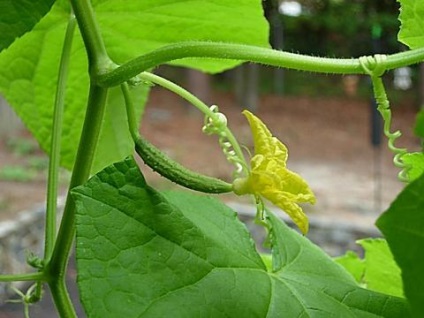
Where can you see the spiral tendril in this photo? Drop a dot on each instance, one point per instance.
(217, 125)
(374, 67)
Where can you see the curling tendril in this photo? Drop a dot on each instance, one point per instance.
(374, 67)
(217, 125)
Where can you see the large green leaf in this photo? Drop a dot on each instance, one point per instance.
(145, 254)
(28, 74)
(403, 226)
(412, 23)
(134, 27)
(18, 17)
(28, 68)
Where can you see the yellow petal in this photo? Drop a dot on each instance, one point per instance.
(265, 144)
(268, 173)
(270, 178)
(285, 190)
(288, 206)
(296, 187)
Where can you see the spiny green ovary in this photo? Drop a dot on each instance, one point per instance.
(175, 172)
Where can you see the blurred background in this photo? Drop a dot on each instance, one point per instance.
(329, 123)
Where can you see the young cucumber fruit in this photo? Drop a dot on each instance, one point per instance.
(175, 172)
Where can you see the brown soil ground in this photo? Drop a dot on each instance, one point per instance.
(328, 140)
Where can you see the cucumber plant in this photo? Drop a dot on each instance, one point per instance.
(145, 253)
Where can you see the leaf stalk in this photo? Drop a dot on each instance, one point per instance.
(52, 184)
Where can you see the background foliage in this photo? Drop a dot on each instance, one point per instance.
(343, 28)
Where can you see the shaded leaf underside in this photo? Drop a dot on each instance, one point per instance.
(18, 17)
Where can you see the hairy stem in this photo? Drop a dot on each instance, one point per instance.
(98, 58)
(130, 109)
(248, 53)
(56, 268)
(52, 184)
(27, 277)
(62, 300)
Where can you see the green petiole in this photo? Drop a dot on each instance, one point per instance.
(254, 54)
(55, 268)
(27, 277)
(52, 184)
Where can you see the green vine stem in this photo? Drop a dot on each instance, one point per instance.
(27, 277)
(255, 54)
(56, 268)
(98, 59)
(52, 184)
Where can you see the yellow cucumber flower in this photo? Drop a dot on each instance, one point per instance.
(269, 178)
